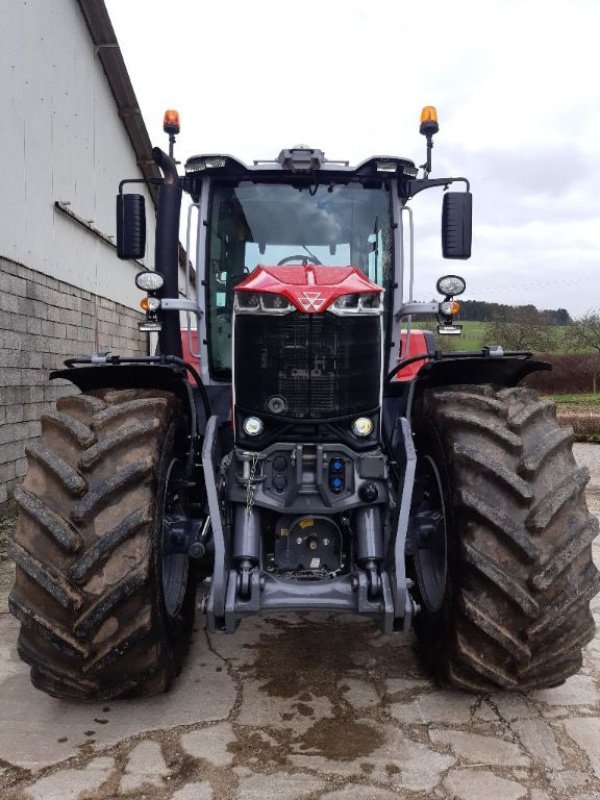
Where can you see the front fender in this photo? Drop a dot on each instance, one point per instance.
(505, 371)
(499, 370)
(134, 376)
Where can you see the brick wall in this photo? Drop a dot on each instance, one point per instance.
(42, 322)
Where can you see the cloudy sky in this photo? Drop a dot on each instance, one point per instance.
(516, 84)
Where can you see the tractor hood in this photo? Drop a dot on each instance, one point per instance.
(310, 288)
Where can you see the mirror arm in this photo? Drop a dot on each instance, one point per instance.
(409, 189)
(147, 181)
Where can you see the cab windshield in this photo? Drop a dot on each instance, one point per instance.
(264, 223)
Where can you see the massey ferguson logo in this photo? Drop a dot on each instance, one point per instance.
(311, 301)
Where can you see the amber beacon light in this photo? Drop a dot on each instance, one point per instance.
(171, 121)
(429, 121)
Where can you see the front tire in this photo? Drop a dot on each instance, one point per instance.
(520, 573)
(89, 589)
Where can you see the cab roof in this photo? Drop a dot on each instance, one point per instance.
(301, 160)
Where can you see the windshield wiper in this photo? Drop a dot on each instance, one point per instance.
(312, 255)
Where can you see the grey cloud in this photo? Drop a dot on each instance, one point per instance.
(519, 186)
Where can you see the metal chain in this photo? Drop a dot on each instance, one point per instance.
(250, 484)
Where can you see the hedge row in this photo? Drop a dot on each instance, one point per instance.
(585, 422)
(572, 373)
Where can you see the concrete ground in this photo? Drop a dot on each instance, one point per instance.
(305, 708)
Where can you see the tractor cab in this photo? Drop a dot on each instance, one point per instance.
(296, 211)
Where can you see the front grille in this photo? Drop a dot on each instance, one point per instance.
(321, 366)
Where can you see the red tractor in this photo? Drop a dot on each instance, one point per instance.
(308, 453)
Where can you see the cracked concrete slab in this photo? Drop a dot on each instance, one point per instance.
(275, 787)
(398, 762)
(469, 784)
(357, 792)
(474, 748)
(203, 692)
(145, 766)
(303, 706)
(437, 706)
(511, 707)
(585, 731)
(298, 713)
(580, 690)
(213, 744)
(360, 694)
(194, 791)
(538, 739)
(70, 784)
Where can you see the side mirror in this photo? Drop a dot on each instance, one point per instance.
(457, 224)
(131, 226)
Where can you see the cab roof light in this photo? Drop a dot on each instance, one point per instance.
(393, 165)
(201, 163)
(387, 165)
(410, 170)
(171, 121)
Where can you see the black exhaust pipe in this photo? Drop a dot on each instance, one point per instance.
(167, 250)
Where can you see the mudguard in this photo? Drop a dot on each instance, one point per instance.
(149, 375)
(499, 370)
(127, 376)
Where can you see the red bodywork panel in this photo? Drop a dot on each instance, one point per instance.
(187, 355)
(412, 345)
(312, 288)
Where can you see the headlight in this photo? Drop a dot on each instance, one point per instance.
(370, 300)
(451, 285)
(261, 303)
(247, 300)
(346, 301)
(362, 426)
(363, 303)
(253, 426)
(275, 302)
(149, 281)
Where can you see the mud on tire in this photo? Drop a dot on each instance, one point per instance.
(516, 613)
(88, 589)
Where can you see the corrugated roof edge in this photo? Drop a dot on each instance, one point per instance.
(109, 52)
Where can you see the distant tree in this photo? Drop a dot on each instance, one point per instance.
(585, 336)
(482, 311)
(521, 328)
(562, 317)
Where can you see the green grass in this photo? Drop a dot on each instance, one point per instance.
(474, 337)
(582, 413)
(577, 399)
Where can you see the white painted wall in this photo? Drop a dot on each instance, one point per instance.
(61, 139)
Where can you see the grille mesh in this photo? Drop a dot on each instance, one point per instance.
(322, 365)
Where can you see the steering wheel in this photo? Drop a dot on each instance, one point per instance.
(303, 258)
